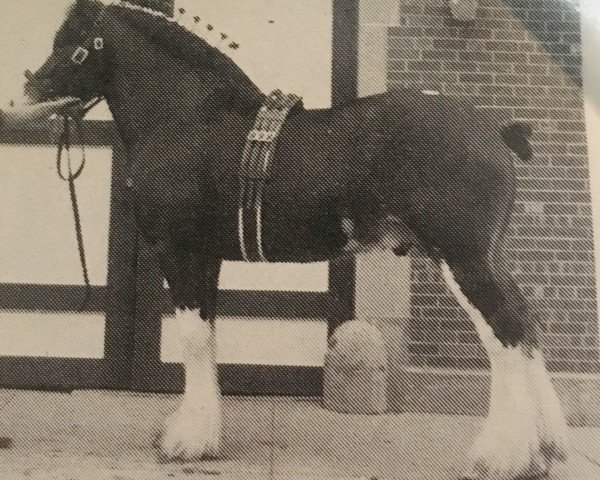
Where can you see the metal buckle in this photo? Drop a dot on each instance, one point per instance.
(80, 55)
(98, 43)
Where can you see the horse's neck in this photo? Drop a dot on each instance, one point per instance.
(148, 91)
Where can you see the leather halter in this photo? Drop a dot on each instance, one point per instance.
(82, 52)
(255, 172)
(64, 143)
(80, 55)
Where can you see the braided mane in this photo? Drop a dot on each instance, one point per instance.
(189, 48)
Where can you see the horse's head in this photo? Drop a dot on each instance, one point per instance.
(130, 51)
(77, 65)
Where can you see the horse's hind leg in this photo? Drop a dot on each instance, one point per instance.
(193, 431)
(525, 429)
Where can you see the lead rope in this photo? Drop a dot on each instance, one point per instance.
(64, 143)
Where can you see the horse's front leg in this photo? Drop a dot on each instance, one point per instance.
(193, 431)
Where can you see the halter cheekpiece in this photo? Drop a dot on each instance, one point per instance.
(81, 53)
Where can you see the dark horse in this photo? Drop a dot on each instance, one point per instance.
(398, 169)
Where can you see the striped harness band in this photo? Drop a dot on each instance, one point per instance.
(254, 171)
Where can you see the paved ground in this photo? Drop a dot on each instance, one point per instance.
(95, 435)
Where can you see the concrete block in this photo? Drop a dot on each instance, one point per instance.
(355, 374)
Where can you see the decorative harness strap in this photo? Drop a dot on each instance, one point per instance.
(254, 171)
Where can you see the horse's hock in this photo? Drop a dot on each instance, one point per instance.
(355, 375)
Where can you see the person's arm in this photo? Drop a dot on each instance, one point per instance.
(26, 116)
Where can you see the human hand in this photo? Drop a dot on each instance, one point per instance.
(27, 116)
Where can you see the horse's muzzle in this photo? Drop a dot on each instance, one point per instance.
(36, 89)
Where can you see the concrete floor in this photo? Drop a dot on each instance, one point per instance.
(93, 435)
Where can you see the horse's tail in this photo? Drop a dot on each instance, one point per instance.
(516, 136)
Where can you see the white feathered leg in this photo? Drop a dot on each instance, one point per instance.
(193, 431)
(551, 422)
(510, 445)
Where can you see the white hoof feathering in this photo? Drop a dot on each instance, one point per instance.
(193, 431)
(552, 424)
(509, 446)
(525, 429)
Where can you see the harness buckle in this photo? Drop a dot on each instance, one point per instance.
(80, 55)
(98, 43)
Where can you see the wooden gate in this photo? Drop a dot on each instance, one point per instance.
(46, 343)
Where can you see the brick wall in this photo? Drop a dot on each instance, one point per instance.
(521, 58)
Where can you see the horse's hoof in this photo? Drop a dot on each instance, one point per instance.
(189, 438)
(186, 458)
(178, 458)
(185, 452)
(180, 453)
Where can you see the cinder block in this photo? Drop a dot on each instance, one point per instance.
(355, 374)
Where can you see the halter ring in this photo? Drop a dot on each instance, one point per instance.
(80, 55)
